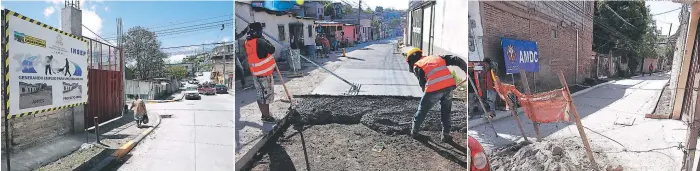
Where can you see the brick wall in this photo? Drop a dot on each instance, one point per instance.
(556, 43)
(29, 131)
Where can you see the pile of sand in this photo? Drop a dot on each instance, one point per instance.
(548, 155)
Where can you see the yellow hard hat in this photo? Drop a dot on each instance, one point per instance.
(413, 50)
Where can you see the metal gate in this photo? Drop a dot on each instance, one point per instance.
(105, 85)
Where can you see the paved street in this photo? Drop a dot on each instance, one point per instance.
(198, 136)
(600, 108)
(378, 69)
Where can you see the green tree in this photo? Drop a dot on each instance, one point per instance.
(626, 29)
(177, 72)
(143, 54)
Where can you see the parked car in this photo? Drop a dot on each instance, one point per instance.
(221, 89)
(207, 89)
(191, 93)
(477, 160)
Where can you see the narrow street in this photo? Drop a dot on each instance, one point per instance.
(623, 101)
(198, 136)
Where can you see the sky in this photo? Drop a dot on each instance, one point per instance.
(396, 4)
(663, 21)
(100, 17)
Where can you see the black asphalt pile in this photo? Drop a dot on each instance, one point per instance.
(548, 155)
(349, 147)
(388, 115)
(343, 133)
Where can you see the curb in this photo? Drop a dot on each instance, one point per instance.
(165, 101)
(111, 160)
(248, 157)
(505, 114)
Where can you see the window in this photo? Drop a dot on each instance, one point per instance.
(311, 30)
(280, 29)
(339, 28)
(554, 33)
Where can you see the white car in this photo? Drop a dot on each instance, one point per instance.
(191, 93)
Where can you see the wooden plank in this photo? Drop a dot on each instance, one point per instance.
(579, 125)
(523, 78)
(513, 111)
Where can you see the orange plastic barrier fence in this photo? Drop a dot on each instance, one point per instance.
(546, 107)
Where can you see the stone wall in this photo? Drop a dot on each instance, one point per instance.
(29, 131)
(554, 30)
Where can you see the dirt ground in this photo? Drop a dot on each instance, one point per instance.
(340, 132)
(75, 159)
(663, 107)
(549, 155)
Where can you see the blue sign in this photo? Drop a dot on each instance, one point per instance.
(520, 54)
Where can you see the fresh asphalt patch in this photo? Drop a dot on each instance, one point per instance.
(340, 132)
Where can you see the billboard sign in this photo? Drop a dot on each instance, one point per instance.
(520, 54)
(46, 67)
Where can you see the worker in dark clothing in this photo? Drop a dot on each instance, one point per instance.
(436, 81)
(262, 64)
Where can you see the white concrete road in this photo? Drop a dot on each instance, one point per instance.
(378, 69)
(198, 136)
(599, 109)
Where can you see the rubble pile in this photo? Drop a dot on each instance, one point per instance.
(548, 155)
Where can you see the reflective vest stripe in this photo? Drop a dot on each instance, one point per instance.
(438, 79)
(268, 69)
(261, 63)
(438, 76)
(258, 66)
(435, 70)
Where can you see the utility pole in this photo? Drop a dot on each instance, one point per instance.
(359, 16)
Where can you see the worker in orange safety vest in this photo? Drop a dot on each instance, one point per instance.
(436, 81)
(262, 65)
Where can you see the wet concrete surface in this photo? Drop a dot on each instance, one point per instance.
(389, 115)
(339, 132)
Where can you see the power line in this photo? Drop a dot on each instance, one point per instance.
(197, 45)
(178, 23)
(98, 35)
(210, 24)
(618, 15)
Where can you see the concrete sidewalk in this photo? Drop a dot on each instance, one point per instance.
(648, 144)
(62, 153)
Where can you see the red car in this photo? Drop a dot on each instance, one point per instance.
(477, 160)
(207, 90)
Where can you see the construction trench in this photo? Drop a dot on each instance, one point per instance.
(341, 132)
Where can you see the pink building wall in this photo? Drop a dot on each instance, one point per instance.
(349, 32)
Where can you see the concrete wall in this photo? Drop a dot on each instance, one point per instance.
(647, 62)
(349, 32)
(33, 130)
(148, 89)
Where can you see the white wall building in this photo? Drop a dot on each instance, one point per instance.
(282, 27)
(438, 28)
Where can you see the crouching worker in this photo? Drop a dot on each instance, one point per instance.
(436, 81)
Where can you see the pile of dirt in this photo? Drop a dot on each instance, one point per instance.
(548, 155)
(388, 115)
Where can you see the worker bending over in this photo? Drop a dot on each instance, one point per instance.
(436, 81)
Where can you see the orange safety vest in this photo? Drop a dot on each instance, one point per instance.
(259, 67)
(436, 73)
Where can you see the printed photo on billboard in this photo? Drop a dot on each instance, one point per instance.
(34, 95)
